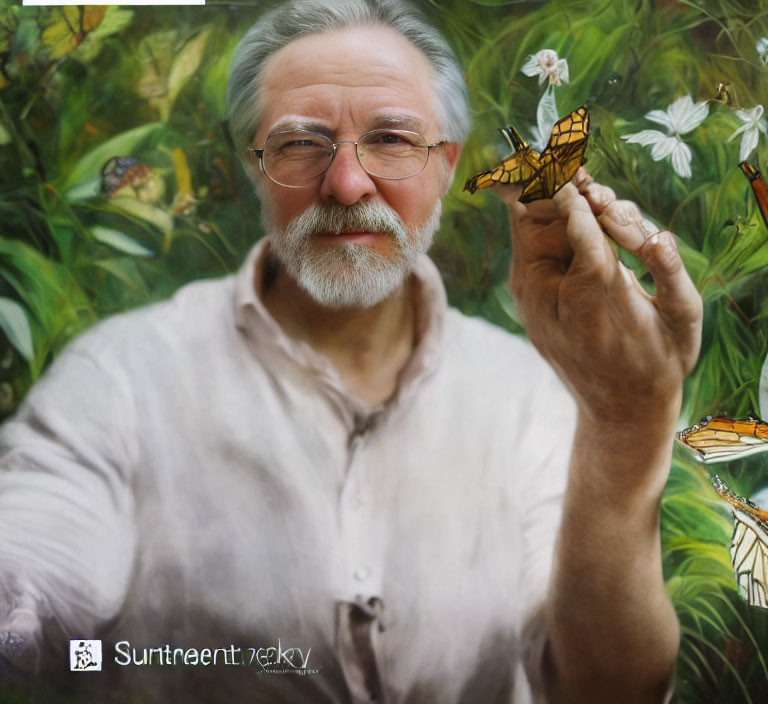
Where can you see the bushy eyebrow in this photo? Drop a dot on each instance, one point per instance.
(290, 125)
(398, 122)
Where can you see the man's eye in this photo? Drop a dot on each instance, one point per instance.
(302, 143)
(390, 138)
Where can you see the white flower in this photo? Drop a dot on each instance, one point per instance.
(546, 117)
(545, 64)
(750, 130)
(679, 118)
(762, 49)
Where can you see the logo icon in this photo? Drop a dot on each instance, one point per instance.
(85, 655)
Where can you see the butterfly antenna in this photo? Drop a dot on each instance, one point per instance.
(515, 141)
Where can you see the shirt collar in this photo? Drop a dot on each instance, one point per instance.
(264, 333)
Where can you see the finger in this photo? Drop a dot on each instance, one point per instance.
(624, 222)
(592, 253)
(509, 193)
(676, 296)
(549, 241)
(535, 286)
(581, 179)
(536, 231)
(597, 195)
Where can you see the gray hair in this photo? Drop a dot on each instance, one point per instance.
(298, 18)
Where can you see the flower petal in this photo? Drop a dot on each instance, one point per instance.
(664, 148)
(751, 115)
(681, 159)
(693, 118)
(562, 71)
(678, 109)
(546, 114)
(748, 142)
(739, 131)
(531, 66)
(645, 137)
(662, 118)
(538, 140)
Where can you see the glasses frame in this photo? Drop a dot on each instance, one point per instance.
(260, 154)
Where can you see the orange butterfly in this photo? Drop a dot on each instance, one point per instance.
(721, 439)
(542, 174)
(759, 186)
(749, 545)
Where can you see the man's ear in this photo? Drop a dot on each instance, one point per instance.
(450, 152)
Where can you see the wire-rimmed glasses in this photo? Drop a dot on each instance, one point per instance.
(293, 158)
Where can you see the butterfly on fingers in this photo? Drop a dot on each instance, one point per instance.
(541, 174)
(759, 188)
(749, 545)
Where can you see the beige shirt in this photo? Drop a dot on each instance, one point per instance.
(187, 475)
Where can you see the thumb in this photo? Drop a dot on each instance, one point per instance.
(509, 193)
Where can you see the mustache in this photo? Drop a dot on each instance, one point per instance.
(339, 219)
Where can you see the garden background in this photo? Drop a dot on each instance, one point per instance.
(79, 86)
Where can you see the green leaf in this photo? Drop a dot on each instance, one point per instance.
(144, 211)
(125, 271)
(120, 241)
(14, 323)
(186, 64)
(115, 20)
(89, 167)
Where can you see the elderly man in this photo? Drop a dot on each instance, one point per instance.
(316, 467)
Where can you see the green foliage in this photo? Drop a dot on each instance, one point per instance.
(81, 86)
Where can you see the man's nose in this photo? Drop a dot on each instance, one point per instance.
(346, 181)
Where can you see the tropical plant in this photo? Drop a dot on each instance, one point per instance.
(140, 92)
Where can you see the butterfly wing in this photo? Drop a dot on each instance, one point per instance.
(749, 556)
(749, 545)
(562, 156)
(723, 439)
(542, 175)
(759, 188)
(522, 166)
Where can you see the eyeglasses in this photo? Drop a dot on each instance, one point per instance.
(294, 158)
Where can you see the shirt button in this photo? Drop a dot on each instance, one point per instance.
(362, 573)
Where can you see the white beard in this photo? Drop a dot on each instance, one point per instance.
(349, 275)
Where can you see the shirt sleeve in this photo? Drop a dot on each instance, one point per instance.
(542, 497)
(67, 535)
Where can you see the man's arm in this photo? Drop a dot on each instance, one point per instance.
(66, 507)
(612, 632)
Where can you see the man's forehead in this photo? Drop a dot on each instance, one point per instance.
(370, 76)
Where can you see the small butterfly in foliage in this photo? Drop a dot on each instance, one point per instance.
(541, 174)
(759, 188)
(721, 439)
(127, 176)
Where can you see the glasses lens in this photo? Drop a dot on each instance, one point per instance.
(393, 153)
(293, 158)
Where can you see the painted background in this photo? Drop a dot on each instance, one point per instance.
(80, 86)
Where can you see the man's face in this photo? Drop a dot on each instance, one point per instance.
(345, 84)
